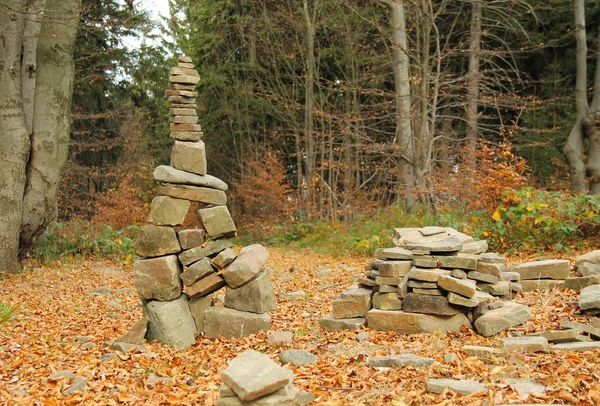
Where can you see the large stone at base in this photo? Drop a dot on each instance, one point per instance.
(549, 269)
(414, 323)
(247, 264)
(286, 396)
(497, 320)
(197, 308)
(253, 374)
(256, 296)
(156, 241)
(171, 323)
(231, 323)
(157, 278)
(330, 323)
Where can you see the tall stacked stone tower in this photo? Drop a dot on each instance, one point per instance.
(179, 268)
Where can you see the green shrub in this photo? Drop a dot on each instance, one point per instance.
(541, 220)
(81, 239)
(7, 312)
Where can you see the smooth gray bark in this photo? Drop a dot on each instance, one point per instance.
(31, 161)
(14, 145)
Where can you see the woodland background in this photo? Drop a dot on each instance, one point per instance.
(298, 106)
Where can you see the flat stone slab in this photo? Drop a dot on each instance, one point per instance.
(231, 323)
(525, 344)
(411, 234)
(524, 386)
(394, 268)
(459, 300)
(387, 301)
(588, 269)
(459, 286)
(211, 247)
(580, 282)
(463, 387)
(590, 346)
(448, 244)
(541, 284)
(289, 395)
(497, 320)
(168, 174)
(400, 361)
(197, 271)
(467, 262)
(589, 298)
(205, 286)
(562, 336)
(480, 351)
(297, 357)
(549, 269)
(594, 332)
(253, 374)
(475, 247)
(414, 323)
(193, 193)
(330, 323)
(426, 275)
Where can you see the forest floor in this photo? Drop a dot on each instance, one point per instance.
(53, 308)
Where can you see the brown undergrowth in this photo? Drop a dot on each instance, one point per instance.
(52, 308)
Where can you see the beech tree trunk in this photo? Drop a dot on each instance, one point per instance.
(587, 124)
(473, 79)
(35, 116)
(402, 98)
(310, 96)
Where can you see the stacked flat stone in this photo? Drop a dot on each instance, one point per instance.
(252, 378)
(435, 279)
(179, 268)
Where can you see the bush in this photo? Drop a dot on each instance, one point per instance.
(530, 219)
(81, 239)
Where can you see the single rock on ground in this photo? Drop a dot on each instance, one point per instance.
(297, 357)
(497, 320)
(399, 361)
(463, 387)
(525, 344)
(252, 375)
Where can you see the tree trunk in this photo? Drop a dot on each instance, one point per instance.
(14, 147)
(473, 78)
(51, 116)
(400, 67)
(31, 35)
(31, 160)
(573, 149)
(310, 97)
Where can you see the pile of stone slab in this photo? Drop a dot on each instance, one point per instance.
(178, 269)
(435, 279)
(252, 378)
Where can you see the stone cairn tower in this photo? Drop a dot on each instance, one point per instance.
(179, 269)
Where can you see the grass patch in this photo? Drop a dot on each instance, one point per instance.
(7, 312)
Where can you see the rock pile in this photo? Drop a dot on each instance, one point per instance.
(435, 279)
(179, 268)
(253, 378)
